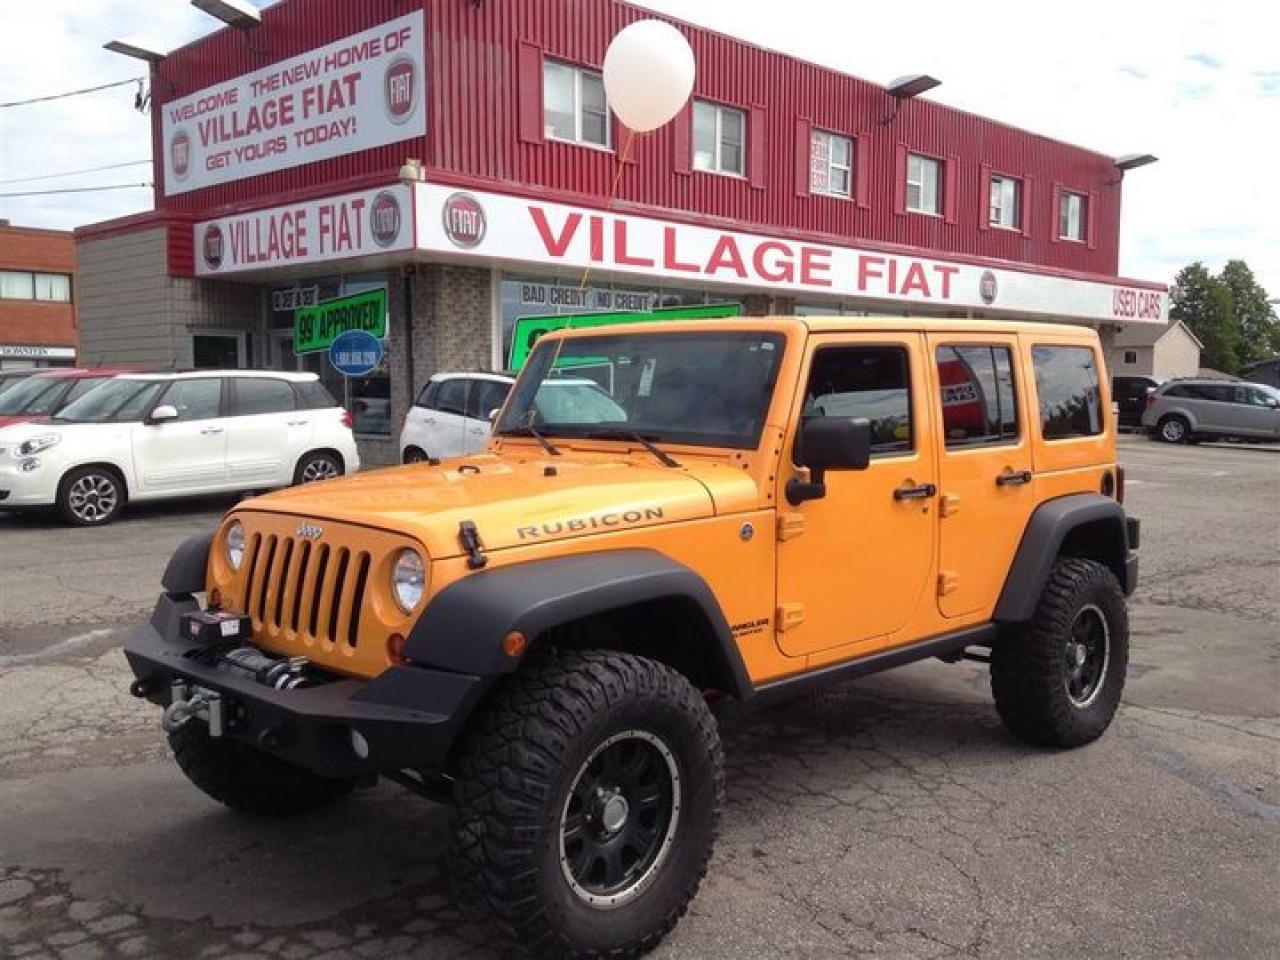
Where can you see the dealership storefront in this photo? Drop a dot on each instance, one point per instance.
(295, 197)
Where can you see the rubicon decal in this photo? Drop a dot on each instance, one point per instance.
(598, 521)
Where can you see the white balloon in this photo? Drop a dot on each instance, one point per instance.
(648, 74)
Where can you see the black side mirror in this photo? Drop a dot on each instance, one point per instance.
(828, 443)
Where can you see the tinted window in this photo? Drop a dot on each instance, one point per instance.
(194, 399)
(485, 395)
(262, 395)
(428, 395)
(1177, 391)
(978, 404)
(315, 395)
(83, 386)
(452, 396)
(1067, 385)
(35, 395)
(869, 382)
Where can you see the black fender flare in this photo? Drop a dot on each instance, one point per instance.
(188, 565)
(1046, 532)
(463, 627)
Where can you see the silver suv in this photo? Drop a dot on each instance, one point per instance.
(1184, 411)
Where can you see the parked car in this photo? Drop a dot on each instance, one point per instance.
(156, 436)
(451, 417)
(45, 393)
(1184, 411)
(1129, 394)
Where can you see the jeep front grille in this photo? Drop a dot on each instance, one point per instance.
(298, 590)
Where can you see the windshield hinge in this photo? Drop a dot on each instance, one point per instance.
(469, 539)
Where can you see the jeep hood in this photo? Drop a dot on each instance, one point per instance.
(518, 502)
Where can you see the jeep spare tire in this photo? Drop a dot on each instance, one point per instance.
(588, 796)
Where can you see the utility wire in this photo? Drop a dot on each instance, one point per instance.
(44, 193)
(75, 173)
(71, 93)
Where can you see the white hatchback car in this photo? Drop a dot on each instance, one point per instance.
(156, 436)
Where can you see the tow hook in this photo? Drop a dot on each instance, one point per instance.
(190, 702)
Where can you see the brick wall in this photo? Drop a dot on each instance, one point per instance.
(39, 322)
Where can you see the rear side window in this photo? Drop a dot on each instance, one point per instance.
(978, 406)
(1067, 385)
(452, 396)
(315, 395)
(866, 382)
(261, 395)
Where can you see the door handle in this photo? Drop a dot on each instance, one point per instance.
(922, 492)
(210, 431)
(1013, 478)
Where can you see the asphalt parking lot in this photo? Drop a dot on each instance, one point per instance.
(892, 817)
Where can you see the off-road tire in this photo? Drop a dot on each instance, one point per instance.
(1029, 668)
(315, 467)
(248, 780)
(1173, 429)
(518, 766)
(75, 512)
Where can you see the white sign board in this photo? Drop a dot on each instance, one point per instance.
(363, 91)
(508, 228)
(27, 351)
(310, 231)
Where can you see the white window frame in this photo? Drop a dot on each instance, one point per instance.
(31, 285)
(1064, 213)
(937, 185)
(996, 208)
(578, 125)
(57, 276)
(820, 172)
(718, 160)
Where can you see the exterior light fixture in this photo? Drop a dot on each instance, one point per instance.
(912, 85)
(411, 171)
(234, 13)
(1131, 161)
(135, 49)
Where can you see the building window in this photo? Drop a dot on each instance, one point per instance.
(923, 175)
(719, 138)
(1006, 203)
(1067, 385)
(1131, 356)
(831, 164)
(216, 351)
(576, 109)
(24, 285)
(1071, 216)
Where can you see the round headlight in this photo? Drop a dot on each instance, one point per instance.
(408, 580)
(235, 544)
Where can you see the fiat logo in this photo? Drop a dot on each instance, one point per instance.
(211, 246)
(987, 287)
(384, 218)
(180, 154)
(464, 221)
(400, 89)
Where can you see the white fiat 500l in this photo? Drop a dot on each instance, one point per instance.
(156, 436)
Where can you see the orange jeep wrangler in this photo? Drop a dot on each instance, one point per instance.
(669, 521)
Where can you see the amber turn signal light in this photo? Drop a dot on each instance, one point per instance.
(514, 643)
(395, 648)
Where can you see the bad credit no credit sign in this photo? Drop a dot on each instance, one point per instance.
(315, 328)
(366, 90)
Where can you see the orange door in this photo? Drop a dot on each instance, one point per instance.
(854, 565)
(986, 490)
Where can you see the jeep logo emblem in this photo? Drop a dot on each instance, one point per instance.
(310, 532)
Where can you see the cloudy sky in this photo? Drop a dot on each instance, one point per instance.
(1197, 84)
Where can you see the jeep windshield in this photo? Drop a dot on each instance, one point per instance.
(701, 388)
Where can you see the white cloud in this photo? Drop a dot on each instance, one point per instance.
(1197, 85)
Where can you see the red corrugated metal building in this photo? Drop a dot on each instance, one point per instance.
(459, 155)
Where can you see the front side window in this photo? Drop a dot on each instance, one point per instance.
(194, 399)
(873, 383)
(700, 388)
(719, 138)
(831, 164)
(485, 396)
(1067, 386)
(256, 395)
(976, 385)
(1071, 216)
(1005, 203)
(575, 107)
(53, 286)
(923, 193)
(451, 397)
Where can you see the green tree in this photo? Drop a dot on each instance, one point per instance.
(1203, 303)
(1257, 322)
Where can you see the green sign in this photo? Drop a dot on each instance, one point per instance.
(529, 330)
(314, 328)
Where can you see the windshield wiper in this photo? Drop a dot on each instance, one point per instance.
(622, 433)
(528, 430)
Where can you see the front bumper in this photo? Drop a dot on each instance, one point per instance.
(30, 488)
(409, 716)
